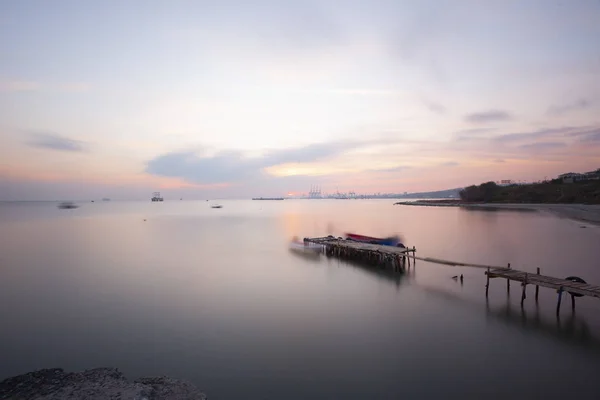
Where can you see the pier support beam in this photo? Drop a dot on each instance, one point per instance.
(572, 302)
(560, 292)
(487, 283)
(524, 294)
(537, 288)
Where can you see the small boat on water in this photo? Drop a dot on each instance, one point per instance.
(388, 241)
(216, 206)
(67, 205)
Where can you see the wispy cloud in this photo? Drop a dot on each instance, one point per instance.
(55, 142)
(488, 116)
(580, 104)
(592, 137)
(399, 168)
(33, 86)
(543, 146)
(435, 107)
(234, 166)
(18, 86)
(539, 134)
(450, 164)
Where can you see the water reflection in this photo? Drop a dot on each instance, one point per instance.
(572, 329)
(381, 274)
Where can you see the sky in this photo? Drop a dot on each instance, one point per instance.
(228, 99)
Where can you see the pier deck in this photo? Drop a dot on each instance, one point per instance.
(575, 289)
(395, 258)
(527, 278)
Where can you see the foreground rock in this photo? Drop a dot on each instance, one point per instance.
(94, 384)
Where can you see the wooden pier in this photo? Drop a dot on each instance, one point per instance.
(399, 259)
(569, 284)
(394, 258)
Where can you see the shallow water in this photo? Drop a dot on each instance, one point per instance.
(215, 297)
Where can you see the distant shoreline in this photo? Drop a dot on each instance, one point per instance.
(588, 213)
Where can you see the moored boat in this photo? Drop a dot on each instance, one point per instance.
(388, 241)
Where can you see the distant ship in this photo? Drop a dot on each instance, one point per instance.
(67, 205)
(267, 198)
(106, 199)
(156, 196)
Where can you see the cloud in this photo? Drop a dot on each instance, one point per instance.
(435, 107)
(542, 133)
(488, 116)
(18, 86)
(541, 146)
(499, 161)
(399, 168)
(473, 132)
(13, 86)
(591, 137)
(449, 164)
(55, 142)
(233, 166)
(311, 153)
(580, 104)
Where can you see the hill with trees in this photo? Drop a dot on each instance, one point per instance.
(555, 191)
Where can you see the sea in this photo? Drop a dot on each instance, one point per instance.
(215, 297)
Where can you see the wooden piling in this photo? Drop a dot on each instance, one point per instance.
(487, 283)
(508, 282)
(560, 292)
(524, 294)
(537, 287)
(573, 302)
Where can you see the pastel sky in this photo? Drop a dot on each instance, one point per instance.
(247, 98)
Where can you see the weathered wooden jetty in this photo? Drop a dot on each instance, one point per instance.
(573, 285)
(390, 257)
(399, 259)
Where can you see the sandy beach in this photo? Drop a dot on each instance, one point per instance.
(588, 213)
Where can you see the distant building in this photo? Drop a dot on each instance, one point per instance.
(571, 177)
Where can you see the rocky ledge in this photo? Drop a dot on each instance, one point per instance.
(94, 384)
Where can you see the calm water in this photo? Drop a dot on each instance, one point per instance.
(215, 297)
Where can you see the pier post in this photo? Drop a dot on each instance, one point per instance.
(487, 283)
(414, 256)
(524, 294)
(508, 282)
(560, 291)
(573, 302)
(537, 288)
